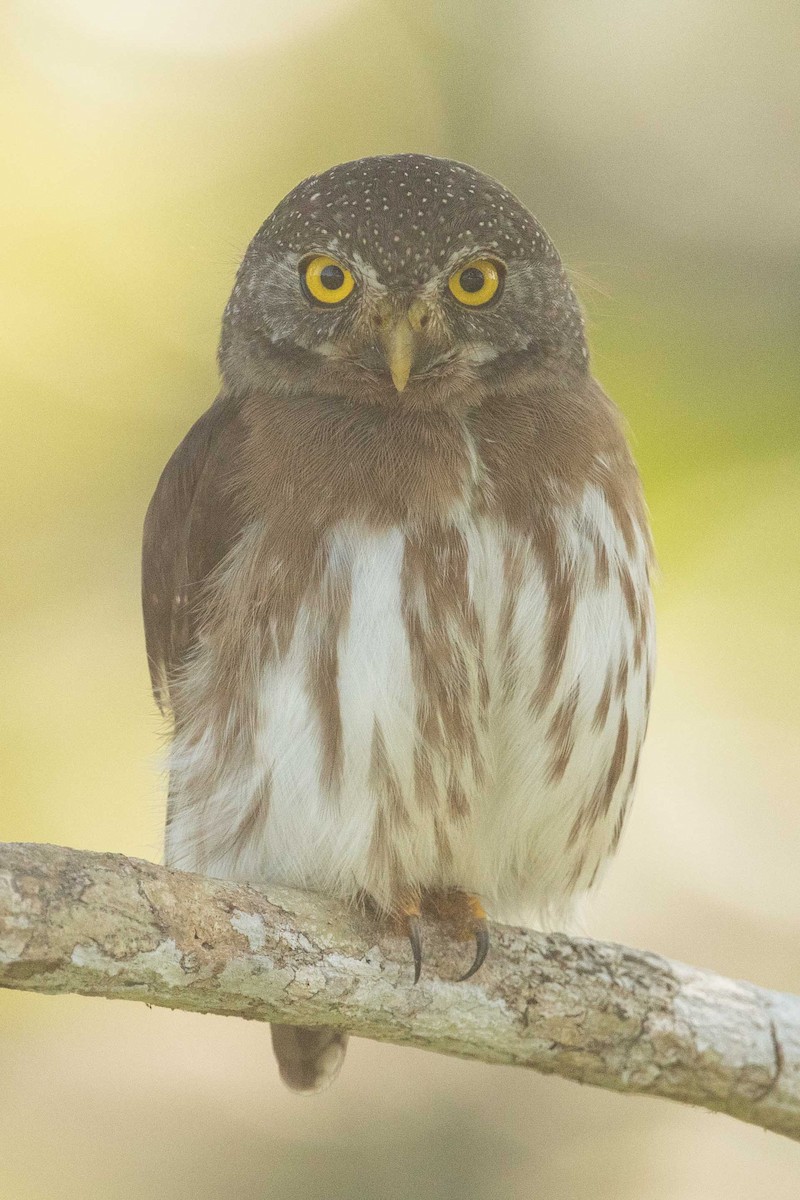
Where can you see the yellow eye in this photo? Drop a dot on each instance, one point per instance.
(476, 283)
(326, 280)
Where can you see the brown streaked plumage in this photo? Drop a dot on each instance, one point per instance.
(395, 580)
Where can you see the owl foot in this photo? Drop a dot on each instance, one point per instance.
(461, 910)
(465, 915)
(411, 915)
(480, 928)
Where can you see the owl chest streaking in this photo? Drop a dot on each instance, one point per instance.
(396, 578)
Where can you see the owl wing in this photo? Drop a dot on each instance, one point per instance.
(190, 525)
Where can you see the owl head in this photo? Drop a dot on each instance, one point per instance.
(398, 280)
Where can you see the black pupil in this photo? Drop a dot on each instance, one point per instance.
(472, 279)
(331, 277)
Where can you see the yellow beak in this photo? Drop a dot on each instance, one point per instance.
(399, 351)
(399, 342)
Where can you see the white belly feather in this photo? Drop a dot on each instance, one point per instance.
(549, 779)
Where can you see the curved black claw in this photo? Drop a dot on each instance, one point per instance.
(481, 948)
(416, 944)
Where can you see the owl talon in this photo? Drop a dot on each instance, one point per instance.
(414, 936)
(481, 948)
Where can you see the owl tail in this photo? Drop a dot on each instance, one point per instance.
(309, 1059)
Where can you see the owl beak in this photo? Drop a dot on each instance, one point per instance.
(399, 351)
(399, 342)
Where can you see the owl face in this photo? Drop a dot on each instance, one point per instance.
(397, 280)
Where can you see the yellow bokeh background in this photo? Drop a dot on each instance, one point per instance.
(142, 144)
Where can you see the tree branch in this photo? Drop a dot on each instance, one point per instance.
(628, 1020)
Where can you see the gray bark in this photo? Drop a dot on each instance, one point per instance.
(628, 1020)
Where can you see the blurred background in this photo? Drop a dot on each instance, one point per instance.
(144, 142)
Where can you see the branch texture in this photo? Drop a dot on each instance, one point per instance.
(628, 1020)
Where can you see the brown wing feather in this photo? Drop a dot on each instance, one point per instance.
(191, 523)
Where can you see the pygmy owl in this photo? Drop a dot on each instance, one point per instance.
(395, 579)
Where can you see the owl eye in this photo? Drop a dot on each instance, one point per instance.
(475, 283)
(326, 280)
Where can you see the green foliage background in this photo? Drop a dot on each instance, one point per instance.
(143, 144)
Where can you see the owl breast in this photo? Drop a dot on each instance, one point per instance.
(456, 706)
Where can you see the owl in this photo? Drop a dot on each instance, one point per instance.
(396, 578)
